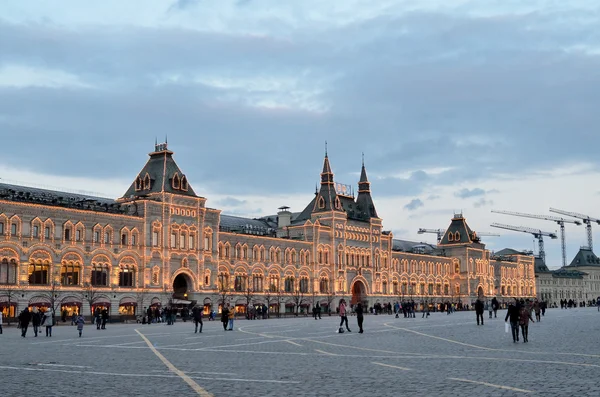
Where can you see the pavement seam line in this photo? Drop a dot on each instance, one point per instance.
(492, 385)
(391, 366)
(195, 386)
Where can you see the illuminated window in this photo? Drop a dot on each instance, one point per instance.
(289, 284)
(257, 282)
(155, 239)
(324, 285)
(99, 276)
(155, 276)
(126, 277)
(36, 231)
(304, 285)
(69, 274)
(8, 271)
(38, 273)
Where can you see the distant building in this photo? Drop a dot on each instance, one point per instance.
(579, 281)
(160, 244)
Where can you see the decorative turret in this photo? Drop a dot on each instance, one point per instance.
(364, 201)
(458, 232)
(327, 199)
(160, 175)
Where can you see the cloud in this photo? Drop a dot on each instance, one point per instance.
(482, 202)
(231, 202)
(466, 193)
(434, 197)
(414, 205)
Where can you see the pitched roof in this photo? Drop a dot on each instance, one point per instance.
(160, 175)
(413, 247)
(458, 232)
(539, 266)
(567, 273)
(58, 198)
(585, 257)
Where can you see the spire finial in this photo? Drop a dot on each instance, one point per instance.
(363, 159)
(325, 148)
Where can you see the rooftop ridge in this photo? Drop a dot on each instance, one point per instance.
(56, 189)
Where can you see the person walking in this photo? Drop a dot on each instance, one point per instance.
(225, 316)
(479, 310)
(598, 303)
(197, 314)
(359, 317)
(489, 307)
(104, 315)
(24, 319)
(343, 315)
(231, 316)
(524, 317)
(79, 321)
(495, 306)
(36, 321)
(513, 314)
(1, 321)
(48, 322)
(537, 309)
(97, 318)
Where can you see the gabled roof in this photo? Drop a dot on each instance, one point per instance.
(458, 232)
(585, 257)
(160, 175)
(539, 266)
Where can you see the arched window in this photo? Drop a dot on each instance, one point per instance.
(304, 285)
(321, 202)
(289, 284)
(324, 286)
(126, 276)
(257, 282)
(8, 271)
(99, 276)
(39, 273)
(156, 275)
(273, 283)
(69, 273)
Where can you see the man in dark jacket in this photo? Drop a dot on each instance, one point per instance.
(225, 316)
(36, 321)
(495, 305)
(359, 317)
(24, 319)
(479, 310)
(197, 314)
(513, 314)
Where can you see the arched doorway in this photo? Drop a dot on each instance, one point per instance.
(480, 292)
(181, 285)
(358, 292)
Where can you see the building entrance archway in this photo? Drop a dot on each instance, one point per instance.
(359, 292)
(181, 286)
(480, 293)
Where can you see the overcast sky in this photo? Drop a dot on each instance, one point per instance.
(458, 105)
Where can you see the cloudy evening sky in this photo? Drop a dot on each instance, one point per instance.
(457, 105)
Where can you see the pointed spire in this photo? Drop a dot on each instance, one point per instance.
(325, 148)
(326, 174)
(363, 183)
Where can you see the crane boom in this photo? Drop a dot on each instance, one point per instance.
(584, 218)
(438, 232)
(561, 222)
(539, 234)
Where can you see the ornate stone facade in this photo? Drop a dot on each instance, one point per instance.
(160, 243)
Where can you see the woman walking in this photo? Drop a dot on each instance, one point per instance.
(524, 317)
(231, 318)
(48, 322)
(79, 322)
(343, 316)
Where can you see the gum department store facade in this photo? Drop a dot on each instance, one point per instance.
(160, 244)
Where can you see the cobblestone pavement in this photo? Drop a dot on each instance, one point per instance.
(439, 356)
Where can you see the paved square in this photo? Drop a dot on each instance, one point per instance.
(439, 356)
